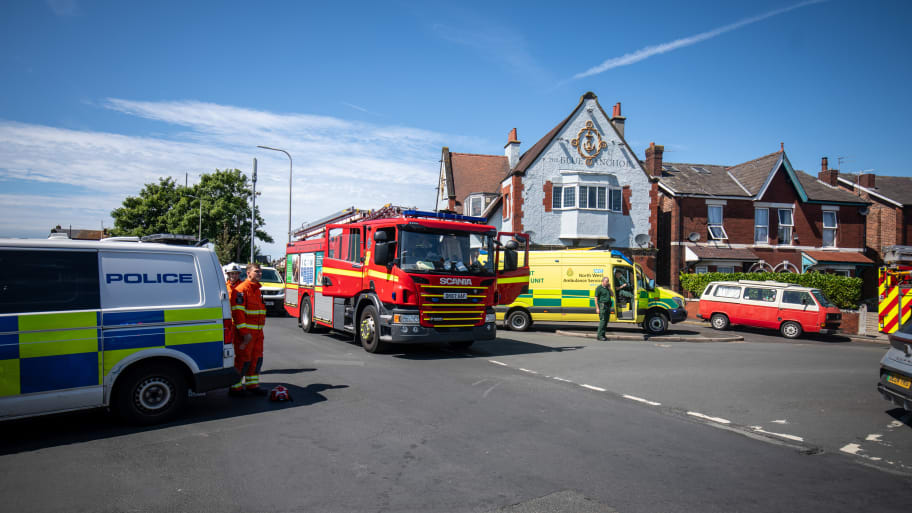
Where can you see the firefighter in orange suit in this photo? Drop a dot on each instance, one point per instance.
(233, 273)
(249, 321)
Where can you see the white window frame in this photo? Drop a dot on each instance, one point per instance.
(472, 199)
(780, 225)
(764, 240)
(725, 269)
(613, 197)
(834, 228)
(721, 235)
(619, 194)
(701, 269)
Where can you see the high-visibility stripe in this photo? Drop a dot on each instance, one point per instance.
(515, 279)
(9, 377)
(342, 272)
(193, 314)
(238, 307)
(256, 312)
(383, 276)
(454, 286)
(175, 335)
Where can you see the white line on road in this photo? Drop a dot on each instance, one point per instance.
(562, 379)
(527, 370)
(874, 438)
(851, 448)
(640, 399)
(480, 381)
(707, 417)
(498, 363)
(783, 421)
(488, 391)
(759, 429)
(590, 387)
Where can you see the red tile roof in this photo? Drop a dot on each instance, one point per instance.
(476, 174)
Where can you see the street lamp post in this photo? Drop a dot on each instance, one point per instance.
(289, 185)
(199, 234)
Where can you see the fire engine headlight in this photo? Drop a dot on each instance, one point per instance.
(405, 319)
(490, 318)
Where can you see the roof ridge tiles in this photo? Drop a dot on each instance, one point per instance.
(478, 154)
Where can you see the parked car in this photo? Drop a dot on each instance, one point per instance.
(272, 287)
(791, 309)
(895, 383)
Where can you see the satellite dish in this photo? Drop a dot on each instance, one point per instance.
(693, 237)
(642, 240)
(863, 211)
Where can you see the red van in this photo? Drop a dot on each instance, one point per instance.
(789, 308)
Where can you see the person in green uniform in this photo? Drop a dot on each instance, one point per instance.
(622, 284)
(603, 304)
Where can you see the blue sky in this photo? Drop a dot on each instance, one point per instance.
(99, 97)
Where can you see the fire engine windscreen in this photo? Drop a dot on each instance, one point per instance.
(446, 252)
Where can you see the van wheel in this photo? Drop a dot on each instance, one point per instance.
(519, 320)
(719, 321)
(306, 319)
(655, 323)
(790, 329)
(150, 394)
(369, 331)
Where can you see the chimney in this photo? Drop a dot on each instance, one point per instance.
(511, 149)
(617, 120)
(866, 180)
(827, 175)
(654, 160)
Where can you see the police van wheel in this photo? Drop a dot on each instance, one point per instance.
(519, 320)
(790, 329)
(719, 321)
(369, 331)
(306, 320)
(655, 323)
(150, 394)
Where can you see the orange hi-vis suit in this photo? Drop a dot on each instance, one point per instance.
(249, 314)
(233, 336)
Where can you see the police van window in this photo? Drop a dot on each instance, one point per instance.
(139, 279)
(48, 281)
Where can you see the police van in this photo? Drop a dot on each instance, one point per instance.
(127, 325)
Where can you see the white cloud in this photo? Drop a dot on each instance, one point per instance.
(649, 51)
(337, 164)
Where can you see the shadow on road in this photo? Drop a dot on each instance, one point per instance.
(69, 428)
(901, 415)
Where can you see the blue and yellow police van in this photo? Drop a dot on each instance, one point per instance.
(127, 325)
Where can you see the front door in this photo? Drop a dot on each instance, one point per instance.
(512, 266)
(623, 283)
(343, 262)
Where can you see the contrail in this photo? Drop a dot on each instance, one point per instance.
(649, 51)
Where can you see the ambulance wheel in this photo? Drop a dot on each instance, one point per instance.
(655, 323)
(369, 331)
(790, 329)
(719, 321)
(306, 320)
(150, 394)
(519, 320)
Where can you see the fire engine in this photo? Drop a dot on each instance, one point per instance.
(404, 276)
(894, 284)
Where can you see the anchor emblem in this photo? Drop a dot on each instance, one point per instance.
(589, 140)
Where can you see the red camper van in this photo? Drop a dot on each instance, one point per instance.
(789, 308)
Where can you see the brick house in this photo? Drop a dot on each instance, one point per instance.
(468, 182)
(760, 215)
(580, 185)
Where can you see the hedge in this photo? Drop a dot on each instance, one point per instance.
(842, 291)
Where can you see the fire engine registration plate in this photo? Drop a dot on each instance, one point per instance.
(455, 295)
(896, 380)
(269, 303)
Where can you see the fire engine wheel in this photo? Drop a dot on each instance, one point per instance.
(369, 331)
(719, 321)
(306, 321)
(150, 394)
(519, 320)
(655, 323)
(790, 329)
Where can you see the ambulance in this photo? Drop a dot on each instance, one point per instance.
(562, 288)
(132, 326)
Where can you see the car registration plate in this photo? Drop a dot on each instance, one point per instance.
(896, 380)
(455, 295)
(269, 303)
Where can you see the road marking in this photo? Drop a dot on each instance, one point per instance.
(480, 381)
(895, 424)
(590, 387)
(640, 399)
(527, 370)
(873, 438)
(707, 417)
(783, 421)
(498, 363)
(562, 379)
(760, 429)
(488, 391)
(851, 448)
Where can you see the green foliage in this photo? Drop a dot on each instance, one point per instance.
(166, 207)
(842, 291)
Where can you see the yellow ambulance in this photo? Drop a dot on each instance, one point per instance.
(562, 288)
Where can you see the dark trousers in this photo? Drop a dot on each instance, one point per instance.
(604, 313)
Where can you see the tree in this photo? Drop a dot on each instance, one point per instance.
(168, 208)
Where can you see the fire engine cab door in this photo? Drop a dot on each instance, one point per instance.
(343, 263)
(512, 266)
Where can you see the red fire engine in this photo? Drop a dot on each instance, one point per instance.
(404, 276)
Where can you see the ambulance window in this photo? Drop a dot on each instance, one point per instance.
(48, 281)
(160, 280)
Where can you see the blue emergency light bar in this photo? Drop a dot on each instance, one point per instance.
(618, 254)
(444, 215)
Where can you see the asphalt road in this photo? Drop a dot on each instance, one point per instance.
(492, 429)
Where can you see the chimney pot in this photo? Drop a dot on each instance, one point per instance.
(827, 175)
(823, 164)
(511, 149)
(617, 120)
